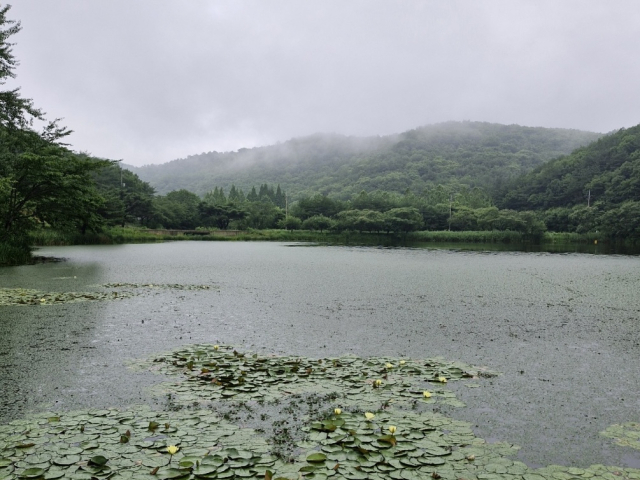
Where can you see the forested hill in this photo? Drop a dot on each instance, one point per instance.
(605, 173)
(476, 154)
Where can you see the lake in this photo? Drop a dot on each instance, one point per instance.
(562, 328)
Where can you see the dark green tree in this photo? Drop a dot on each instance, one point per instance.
(290, 223)
(253, 196)
(177, 209)
(127, 199)
(220, 215)
(402, 220)
(318, 222)
(43, 183)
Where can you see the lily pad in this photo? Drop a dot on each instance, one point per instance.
(316, 457)
(33, 473)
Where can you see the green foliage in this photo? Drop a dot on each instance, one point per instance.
(41, 181)
(44, 183)
(14, 254)
(360, 220)
(607, 170)
(308, 207)
(402, 220)
(318, 222)
(178, 209)
(219, 215)
(127, 199)
(475, 154)
(622, 222)
(262, 214)
(290, 223)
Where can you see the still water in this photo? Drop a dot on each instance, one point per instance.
(562, 328)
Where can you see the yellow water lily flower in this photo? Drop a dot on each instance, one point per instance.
(369, 415)
(216, 347)
(377, 383)
(426, 394)
(442, 379)
(392, 429)
(389, 365)
(402, 362)
(172, 449)
(337, 411)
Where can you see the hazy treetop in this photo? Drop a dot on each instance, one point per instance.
(149, 81)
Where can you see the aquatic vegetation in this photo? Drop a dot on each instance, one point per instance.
(23, 296)
(170, 286)
(330, 424)
(625, 435)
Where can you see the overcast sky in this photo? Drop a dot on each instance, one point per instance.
(149, 81)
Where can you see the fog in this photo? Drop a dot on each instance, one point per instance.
(154, 80)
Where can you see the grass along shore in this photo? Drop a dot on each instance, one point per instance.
(20, 255)
(117, 235)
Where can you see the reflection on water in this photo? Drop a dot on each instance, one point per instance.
(562, 328)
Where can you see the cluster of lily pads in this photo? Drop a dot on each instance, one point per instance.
(23, 296)
(171, 286)
(135, 443)
(215, 372)
(372, 418)
(625, 435)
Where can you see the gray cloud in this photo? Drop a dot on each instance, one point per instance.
(149, 81)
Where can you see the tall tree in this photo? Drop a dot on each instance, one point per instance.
(42, 181)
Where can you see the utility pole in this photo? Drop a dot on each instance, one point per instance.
(122, 194)
(589, 199)
(450, 204)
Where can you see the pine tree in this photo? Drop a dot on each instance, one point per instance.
(253, 196)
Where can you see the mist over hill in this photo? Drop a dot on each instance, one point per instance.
(606, 171)
(476, 154)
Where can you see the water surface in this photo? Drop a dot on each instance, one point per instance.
(563, 328)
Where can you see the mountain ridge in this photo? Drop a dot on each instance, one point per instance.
(477, 154)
